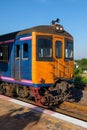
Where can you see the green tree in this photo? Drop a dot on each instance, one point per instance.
(78, 78)
(82, 63)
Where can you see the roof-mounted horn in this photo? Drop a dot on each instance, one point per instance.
(56, 21)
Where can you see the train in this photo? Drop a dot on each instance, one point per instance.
(37, 64)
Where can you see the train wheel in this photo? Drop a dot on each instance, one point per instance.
(23, 92)
(2, 90)
(63, 90)
(9, 89)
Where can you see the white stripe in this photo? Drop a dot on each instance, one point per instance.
(27, 105)
(22, 103)
(70, 119)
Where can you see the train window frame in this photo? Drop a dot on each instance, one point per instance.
(23, 51)
(17, 52)
(60, 51)
(69, 43)
(4, 53)
(43, 58)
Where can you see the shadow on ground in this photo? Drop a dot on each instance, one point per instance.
(19, 119)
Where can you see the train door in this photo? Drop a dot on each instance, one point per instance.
(63, 57)
(58, 57)
(23, 60)
(26, 60)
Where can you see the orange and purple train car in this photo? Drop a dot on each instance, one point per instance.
(37, 63)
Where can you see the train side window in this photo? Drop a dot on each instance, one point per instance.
(58, 49)
(68, 49)
(17, 51)
(4, 53)
(25, 51)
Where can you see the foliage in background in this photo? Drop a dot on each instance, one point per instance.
(82, 63)
(77, 71)
(78, 77)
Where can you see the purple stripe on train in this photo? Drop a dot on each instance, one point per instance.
(26, 38)
(8, 41)
(11, 79)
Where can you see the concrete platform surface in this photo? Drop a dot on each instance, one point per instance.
(18, 117)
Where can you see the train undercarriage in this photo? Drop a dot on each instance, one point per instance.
(44, 96)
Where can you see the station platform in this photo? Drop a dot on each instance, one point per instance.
(16, 116)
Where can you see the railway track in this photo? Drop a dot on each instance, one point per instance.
(73, 110)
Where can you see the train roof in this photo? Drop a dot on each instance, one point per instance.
(45, 29)
(8, 36)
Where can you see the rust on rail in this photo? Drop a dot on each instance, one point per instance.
(74, 106)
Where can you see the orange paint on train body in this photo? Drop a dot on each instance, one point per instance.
(59, 64)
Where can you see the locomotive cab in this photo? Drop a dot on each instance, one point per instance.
(52, 57)
(52, 63)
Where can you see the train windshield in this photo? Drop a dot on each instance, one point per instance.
(44, 48)
(68, 49)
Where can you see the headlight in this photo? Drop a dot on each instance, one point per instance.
(59, 28)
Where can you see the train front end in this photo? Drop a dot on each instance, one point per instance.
(52, 64)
